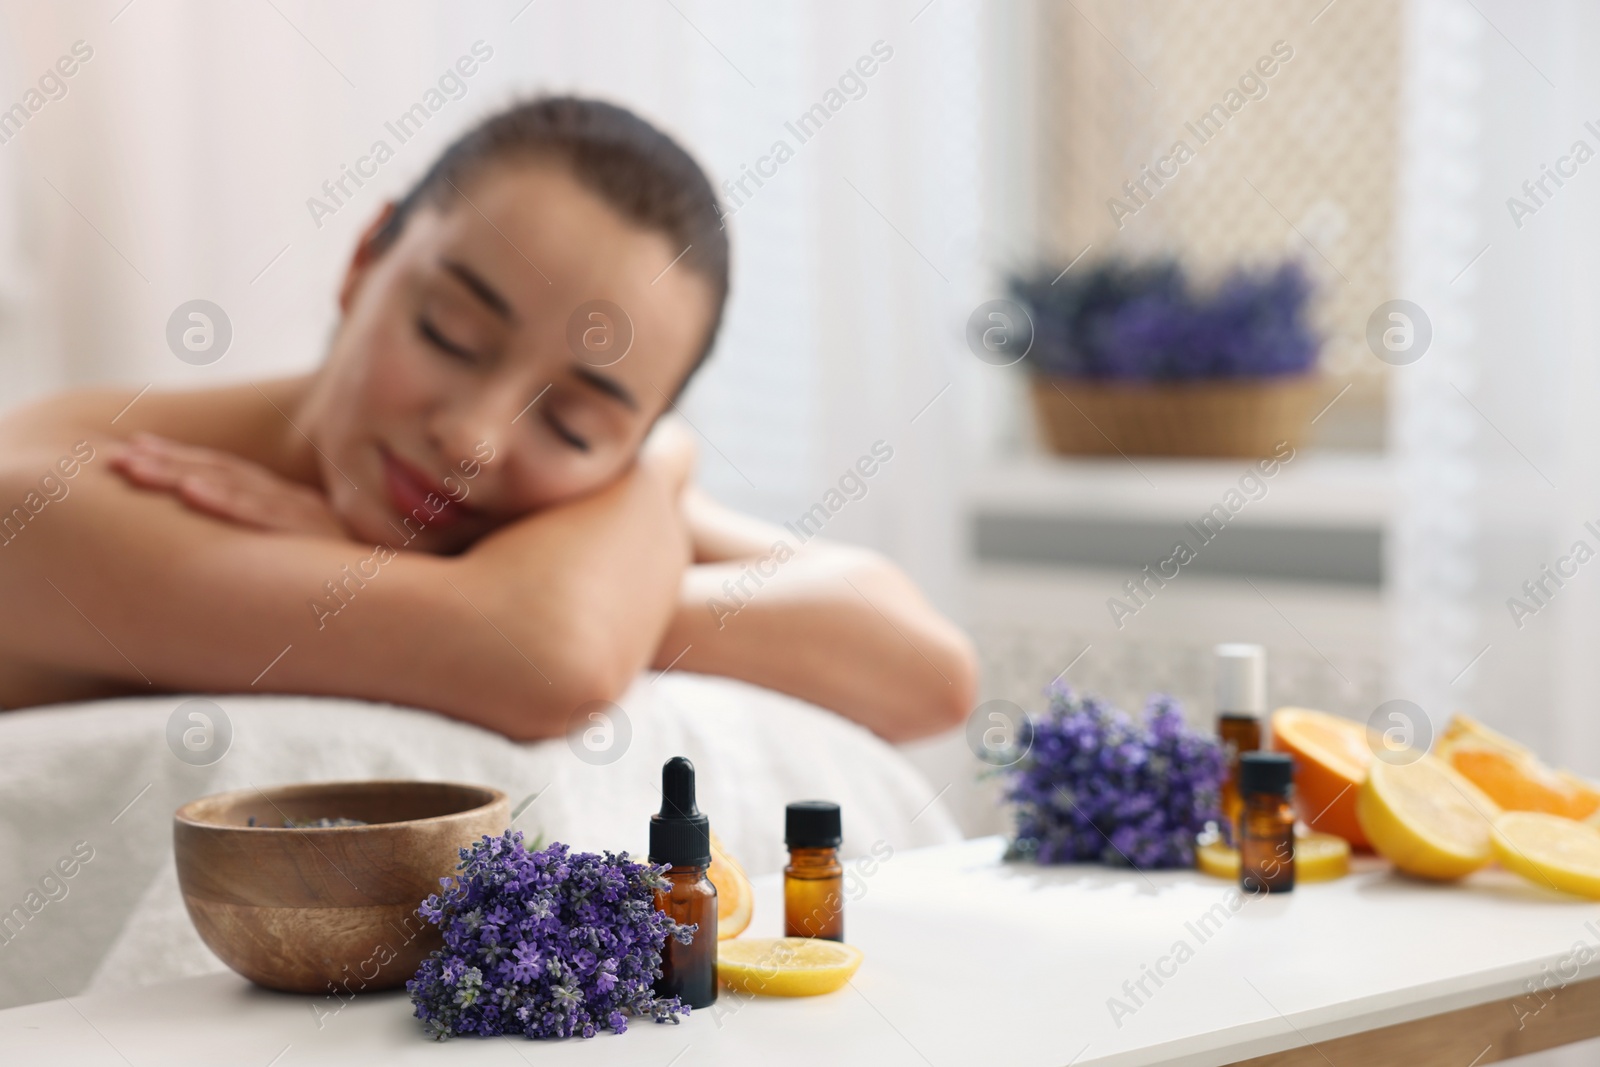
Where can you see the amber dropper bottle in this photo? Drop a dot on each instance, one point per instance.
(1241, 701)
(813, 882)
(681, 836)
(1266, 828)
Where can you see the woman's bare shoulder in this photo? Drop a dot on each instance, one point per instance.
(232, 418)
(80, 408)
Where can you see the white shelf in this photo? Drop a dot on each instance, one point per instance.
(1332, 489)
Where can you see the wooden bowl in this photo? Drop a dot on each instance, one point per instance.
(326, 910)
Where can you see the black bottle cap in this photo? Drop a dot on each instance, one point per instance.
(1265, 772)
(812, 824)
(679, 834)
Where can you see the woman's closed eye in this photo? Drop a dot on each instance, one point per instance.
(434, 336)
(564, 432)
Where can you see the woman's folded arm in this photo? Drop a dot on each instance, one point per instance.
(549, 612)
(837, 625)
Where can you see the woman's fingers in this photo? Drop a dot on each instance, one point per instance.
(225, 486)
(214, 497)
(148, 469)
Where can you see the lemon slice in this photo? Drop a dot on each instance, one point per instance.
(1549, 850)
(1426, 818)
(786, 966)
(1317, 858)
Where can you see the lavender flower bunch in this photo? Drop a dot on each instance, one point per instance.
(1097, 785)
(1145, 322)
(546, 944)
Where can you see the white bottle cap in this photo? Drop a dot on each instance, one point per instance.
(1241, 679)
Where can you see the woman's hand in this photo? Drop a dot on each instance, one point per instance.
(225, 486)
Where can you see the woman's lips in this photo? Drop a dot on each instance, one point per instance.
(409, 492)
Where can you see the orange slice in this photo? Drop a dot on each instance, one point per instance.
(1426, 818)
(1512, 775)
(735, 901)
(1331, 759)
(1464, 728)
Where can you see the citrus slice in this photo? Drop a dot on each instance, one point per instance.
(1512, 775)
(786, 966)
(1464, 728)
(1549, 850)
(735, 900)
(1331, 759)
(1317, 858)
(1426, 818)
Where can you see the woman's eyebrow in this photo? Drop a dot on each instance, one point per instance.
(607, 385)
(481, 289)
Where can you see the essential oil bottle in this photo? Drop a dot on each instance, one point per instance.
(813, 882)
(1266, 827)
(681, 836)
(1241, 701)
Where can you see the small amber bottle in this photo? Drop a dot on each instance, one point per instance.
(681, 836)
(1266, 827)
(813, 882)
(1241, 701)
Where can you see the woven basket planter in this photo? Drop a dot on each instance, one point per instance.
(1244, 418)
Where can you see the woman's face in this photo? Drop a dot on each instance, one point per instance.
(474, 378)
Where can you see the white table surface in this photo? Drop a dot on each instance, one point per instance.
(967, 961)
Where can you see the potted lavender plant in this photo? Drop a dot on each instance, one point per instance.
(1136, 358)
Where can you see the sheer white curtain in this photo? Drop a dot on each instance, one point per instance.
(179, 164)
(1495, 433)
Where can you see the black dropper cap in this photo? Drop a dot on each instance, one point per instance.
(811, 824)
(1265, 772)
(679, 834)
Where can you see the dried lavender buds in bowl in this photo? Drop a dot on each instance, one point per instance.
(310, 824)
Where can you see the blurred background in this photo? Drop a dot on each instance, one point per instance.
(1177, 307)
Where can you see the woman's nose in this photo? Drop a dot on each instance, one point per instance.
(477, 429)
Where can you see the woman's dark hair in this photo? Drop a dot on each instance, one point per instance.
(643, 174)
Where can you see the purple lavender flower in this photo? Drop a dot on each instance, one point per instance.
(1096, 785)
(546, 944)
(1149, 322)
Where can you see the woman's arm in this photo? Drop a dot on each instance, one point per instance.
(835, 625)
(550, 612)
